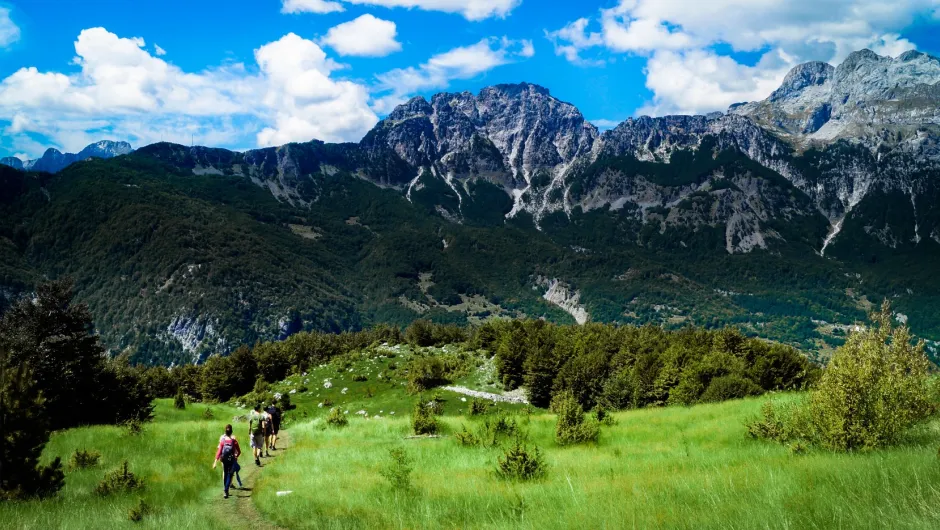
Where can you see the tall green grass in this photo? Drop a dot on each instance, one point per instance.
(658, 468)
(173, 456)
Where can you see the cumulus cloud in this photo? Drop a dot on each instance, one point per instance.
(158, 51)
(310, 6)
(680, 39)
(306, 102)
(9, 31)
(123, 91)
(470, 9)
(459, 63)
(366, 36)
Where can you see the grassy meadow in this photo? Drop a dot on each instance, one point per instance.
(669, 467)
(173, 455)
(656, 468)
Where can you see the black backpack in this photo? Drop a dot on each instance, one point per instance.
(228, 451)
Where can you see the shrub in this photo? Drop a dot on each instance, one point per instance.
(138, 512)
(730, 387)
(423, 420)
(118, 481)
(397, 471)
(425, 373)
(133, 428)
(82, 459)
(466, 438)
(602, 416)
(520, 463)
(208, 414)
(875, 387)
(477, 407)
(180, 400)
(360, 378)
(336, 418)
(572, 426)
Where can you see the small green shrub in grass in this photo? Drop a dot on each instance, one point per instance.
(359, 378)
(422, 419)
(466, 437)
(521, 463)
(180, 400)
(82, 459)
(118, 481)
(134, 427)
(477, 407)
(397, 470)
(208, 414)
(138, 512)
(573, 427)
(336, 418)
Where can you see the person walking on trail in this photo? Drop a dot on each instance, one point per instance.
(275, 424)
(227, 453)
(256, 433)
(235, 467)
(268, 430)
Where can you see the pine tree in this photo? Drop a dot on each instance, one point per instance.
(23, 435)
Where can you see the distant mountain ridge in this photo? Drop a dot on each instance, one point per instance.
(53, 160)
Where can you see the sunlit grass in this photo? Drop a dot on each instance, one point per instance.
(173, 456)
(673, 468)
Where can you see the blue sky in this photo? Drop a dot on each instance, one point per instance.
(242, 74)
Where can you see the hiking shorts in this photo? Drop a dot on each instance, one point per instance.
(257, 441)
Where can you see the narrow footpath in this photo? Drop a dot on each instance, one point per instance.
(239, 510)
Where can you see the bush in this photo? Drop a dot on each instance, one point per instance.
(602, 416)
(397, 471)
(875, 388)
(180, 400)
(133, 428)
(423, 420)
(138, 512)
(359, 378)
(477, 407)
(730, 387)
(336, 418)
(82, 459)
(466, 438)
(425, 373)
(118, 481)
(208, 414)
(520, 463)
(572, 426)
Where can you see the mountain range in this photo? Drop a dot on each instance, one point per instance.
(53, 160)
(788, 217)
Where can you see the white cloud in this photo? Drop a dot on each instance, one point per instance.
(459, 63)
(310, 6)
(305, 101)
(470, 9)
(123, 91)
(675, 34)
(9, 31)
(158, 51)
(605, 124)
(365, 36)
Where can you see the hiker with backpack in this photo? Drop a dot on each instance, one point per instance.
(268, 430)
(235, 467)
(275, 424)
(227, 453)
(256, 432)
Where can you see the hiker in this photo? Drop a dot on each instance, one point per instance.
(268, 429)
(235, 467)
(275, 424)
(227, 453)
(256, 432)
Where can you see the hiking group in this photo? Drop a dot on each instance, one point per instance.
(263, 427)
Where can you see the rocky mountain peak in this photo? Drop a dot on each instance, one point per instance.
(810, 74)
